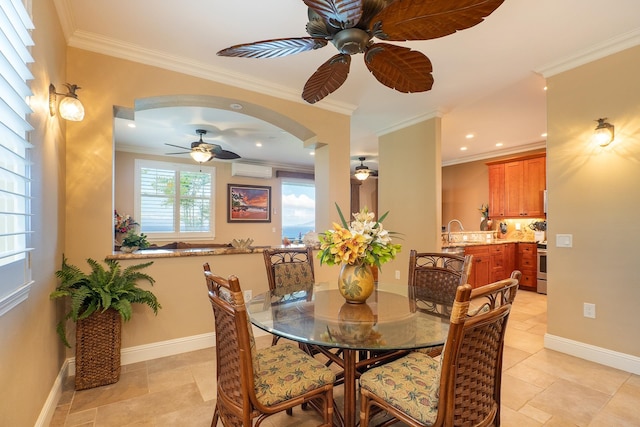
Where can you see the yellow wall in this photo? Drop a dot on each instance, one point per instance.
(109, 82)
(30, 352)
(593, 194)
(410, 187)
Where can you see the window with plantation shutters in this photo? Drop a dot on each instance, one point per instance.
(174, 200)
(15, 202)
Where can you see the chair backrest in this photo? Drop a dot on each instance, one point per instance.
(289, 269)
(235, 348)
(471, 375)
(434, 278)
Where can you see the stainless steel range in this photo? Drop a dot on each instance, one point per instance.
(542, 268)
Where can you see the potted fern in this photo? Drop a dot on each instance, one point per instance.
(100, 301)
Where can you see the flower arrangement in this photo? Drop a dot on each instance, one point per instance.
(363, 241)
(123, 223)
(484, 211)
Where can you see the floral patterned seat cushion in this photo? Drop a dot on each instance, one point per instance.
(410, 384)
(292, 276)
(286, 372)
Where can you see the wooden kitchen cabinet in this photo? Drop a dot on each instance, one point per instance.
(480, 269)
(491, 262)
(502, 261)
(516, 187)
(527, 263)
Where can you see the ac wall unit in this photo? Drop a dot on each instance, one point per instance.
(252, 171)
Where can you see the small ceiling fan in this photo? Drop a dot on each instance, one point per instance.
(201, 151)
(363, 172)
(351, 26)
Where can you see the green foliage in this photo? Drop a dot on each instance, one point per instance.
(133, 239)
(102, 289)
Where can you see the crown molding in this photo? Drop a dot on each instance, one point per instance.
(411, 121)
(112, 47)
(595, 52)
(496, 153)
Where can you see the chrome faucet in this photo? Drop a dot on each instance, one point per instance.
(449, 228)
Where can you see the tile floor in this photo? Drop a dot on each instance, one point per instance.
(540, 387)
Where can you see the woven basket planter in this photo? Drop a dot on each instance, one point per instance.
(98, 342)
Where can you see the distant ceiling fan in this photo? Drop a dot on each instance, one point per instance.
(201, 151)
(363, 172)
(351, 26)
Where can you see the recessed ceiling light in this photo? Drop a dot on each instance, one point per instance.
(545, 88)
(544, 135)
(463, 148)
(469, 135)
(235, 106)
(131, 125)
(499, 144)
(258, 144)
(313, 153)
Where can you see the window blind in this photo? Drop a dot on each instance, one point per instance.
(174, 200)
(15, 183)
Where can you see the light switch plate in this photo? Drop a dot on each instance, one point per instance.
(564, 240)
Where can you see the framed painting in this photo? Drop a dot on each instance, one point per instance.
(248, 203)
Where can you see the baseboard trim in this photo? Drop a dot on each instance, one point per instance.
(46, 414)
(603, 356)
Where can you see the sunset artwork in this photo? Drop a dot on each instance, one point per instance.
(249, 203)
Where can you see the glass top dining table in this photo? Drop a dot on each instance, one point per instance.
(391, 320)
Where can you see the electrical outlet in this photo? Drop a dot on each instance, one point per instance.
(589, 310)
(398, 274)
(248, 295)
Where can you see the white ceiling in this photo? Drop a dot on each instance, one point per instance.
(488, 79)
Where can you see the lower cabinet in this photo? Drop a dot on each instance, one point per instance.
(527, 264)
(481, 264)
(496, 262)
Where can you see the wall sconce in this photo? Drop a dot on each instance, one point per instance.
(70, 107)
(604, 132)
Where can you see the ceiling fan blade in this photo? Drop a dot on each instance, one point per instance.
(327, 79)
(177, 146)
(275, 48)
(425, 20)
(337, 13)
(181, 152)
(225, 155)
(399, 68)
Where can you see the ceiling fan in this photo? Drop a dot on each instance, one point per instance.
(363, 172)
(201, 151)
(351, 26)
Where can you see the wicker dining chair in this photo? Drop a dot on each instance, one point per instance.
(433, 280)
(461, 389)
(288, 270)
(253, 384)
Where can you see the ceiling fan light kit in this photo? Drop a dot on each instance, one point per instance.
(351, 26)
(202, 151)
(363, 172)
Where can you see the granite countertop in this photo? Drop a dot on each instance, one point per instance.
(171, 253)
(483, 242)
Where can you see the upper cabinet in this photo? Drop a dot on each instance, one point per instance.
(516, 187)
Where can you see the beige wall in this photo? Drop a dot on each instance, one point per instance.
(593, 194)
(410, 188)
(109, 82)
(30, 352)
